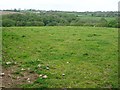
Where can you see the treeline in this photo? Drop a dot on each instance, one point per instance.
(58, 18)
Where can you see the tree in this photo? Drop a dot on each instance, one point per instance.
(103, 22)
(113, 23)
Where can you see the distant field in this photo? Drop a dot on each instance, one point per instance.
(97, 18)
(89, 17)
(7, 12)
(70, 57)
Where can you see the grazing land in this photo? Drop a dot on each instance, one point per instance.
(60, 57)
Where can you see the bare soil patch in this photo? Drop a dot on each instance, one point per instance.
(10, 79)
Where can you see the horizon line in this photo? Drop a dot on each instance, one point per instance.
(61, 10)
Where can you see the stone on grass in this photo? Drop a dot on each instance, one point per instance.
(8, 63)
(22, 69)
(63, 74)
(39, 65)
(40, 75)
(45, 76)
(47, 68)
(67, 62)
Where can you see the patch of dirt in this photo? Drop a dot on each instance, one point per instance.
(10, 79)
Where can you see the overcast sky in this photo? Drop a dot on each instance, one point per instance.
(63, 5)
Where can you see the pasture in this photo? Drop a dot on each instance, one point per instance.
(60, 57)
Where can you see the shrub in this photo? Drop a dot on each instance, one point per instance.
(8, 23)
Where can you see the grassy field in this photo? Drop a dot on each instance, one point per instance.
(97, 18)
(70, 57)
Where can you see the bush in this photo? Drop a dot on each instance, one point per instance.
(113, 23)
(103, 22)
(8, 23)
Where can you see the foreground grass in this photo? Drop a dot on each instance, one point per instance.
(86, 55)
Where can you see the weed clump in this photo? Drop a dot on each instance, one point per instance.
(23, 36)
(85, 54)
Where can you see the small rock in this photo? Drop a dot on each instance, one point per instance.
(45, 76)
(63, 74)
(22, 69)
(67, 62)
(39, 65)
(28, 79)
(8, 63)
(40, 75)
(47, 68)
(2, 74)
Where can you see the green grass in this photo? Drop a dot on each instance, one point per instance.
(92, 54)
(97, 18)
